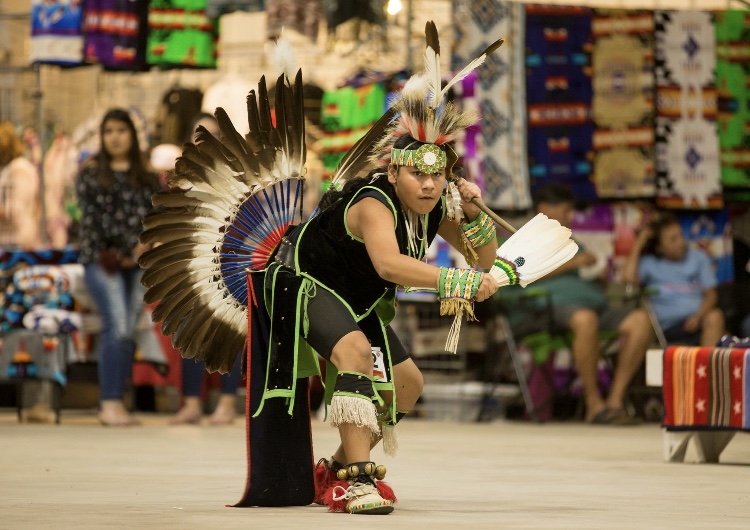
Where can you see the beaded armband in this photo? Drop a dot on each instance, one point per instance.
(480, 231)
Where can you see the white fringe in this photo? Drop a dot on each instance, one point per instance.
(390, 440)
(359, 411)
(451, 343)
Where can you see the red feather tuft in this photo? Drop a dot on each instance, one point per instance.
(386, 491)
(323, 479)
(335, 506)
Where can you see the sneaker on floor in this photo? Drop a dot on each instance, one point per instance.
(363, 499)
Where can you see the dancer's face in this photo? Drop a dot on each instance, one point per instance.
(418, 191)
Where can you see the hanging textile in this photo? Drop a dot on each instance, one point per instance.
(303, 16)
(687, 145)
(347, 114)
(710, 231)
(469, 145)
(181, 34)
(115, 33)
(56, 36)
(733, 93)
(558, 92)
(500, 93)
(623, 103)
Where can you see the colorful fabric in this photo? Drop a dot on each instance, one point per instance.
(180, 34)
(706, 387)
(733, 95)
(347, 115)
(16, 300)
(623, 103)
(56, 34)
(499, 97)
(115, 33)
(710, 231)
(26, 353)
(558, 92)
(470, 146)
(687, 146)
(480, 231)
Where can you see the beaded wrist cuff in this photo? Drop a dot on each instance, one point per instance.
(456, 289)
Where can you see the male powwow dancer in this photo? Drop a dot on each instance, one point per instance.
(323, 287)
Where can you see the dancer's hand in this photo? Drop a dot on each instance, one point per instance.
(468, 191)
(487, 288)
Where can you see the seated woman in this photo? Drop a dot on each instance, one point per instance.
(685, 302)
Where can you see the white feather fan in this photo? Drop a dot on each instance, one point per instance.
(539, 247)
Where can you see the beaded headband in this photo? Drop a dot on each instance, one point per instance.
(428, 158)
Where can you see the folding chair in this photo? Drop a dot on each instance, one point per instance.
(512, 315)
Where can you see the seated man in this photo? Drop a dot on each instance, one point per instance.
(580, 306)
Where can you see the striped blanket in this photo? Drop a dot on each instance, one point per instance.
(706, 388)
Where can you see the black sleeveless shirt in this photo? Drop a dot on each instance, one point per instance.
(334, 258)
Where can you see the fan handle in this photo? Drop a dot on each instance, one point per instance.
(499, 220)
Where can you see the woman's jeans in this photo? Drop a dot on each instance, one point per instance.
(193, 372)
(119, 299)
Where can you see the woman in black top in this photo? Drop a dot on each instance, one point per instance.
(114, 193)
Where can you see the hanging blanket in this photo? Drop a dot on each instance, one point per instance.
(687, 146)
(623, 103)
(558, 91)
(710, 231)
(733, 93)
(500, 96)
(706, 388)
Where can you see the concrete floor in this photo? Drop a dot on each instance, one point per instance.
(447, 475)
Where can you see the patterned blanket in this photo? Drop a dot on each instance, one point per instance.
(687, 145)
(733, 100)
(500, 96)
(706, 388)
(623, 105)
(558, 92)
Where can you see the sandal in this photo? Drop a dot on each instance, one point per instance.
(609, 416)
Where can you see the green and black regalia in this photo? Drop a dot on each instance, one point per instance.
(323, 255)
